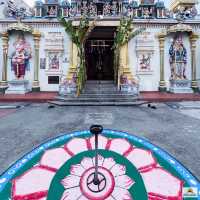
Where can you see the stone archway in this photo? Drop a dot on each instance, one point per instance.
(19, 26)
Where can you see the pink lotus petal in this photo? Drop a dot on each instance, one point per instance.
(87, 163)
(54, 158)
(118, 170)
(141, 159)
(100, 160)
(35, 181)
(70, 181)
(83, 198)
(121, 194)
(77, 170)
(108, 163)
(121, 146)
(161, 183)
(124, 182)
(71, 194)
(76, 146)
(102, 142)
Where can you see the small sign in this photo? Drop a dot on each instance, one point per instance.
(190, 192)
(99, 118)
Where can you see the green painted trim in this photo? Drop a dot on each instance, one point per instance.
(162, 89)
(36, 89)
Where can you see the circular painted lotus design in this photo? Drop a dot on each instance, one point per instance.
(114, 184)
(113, 181)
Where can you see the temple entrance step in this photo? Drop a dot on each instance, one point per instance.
(99, 93)
(101, 87)
(98, 99)
(61, 103)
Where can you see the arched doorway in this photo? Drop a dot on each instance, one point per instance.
(99, 55)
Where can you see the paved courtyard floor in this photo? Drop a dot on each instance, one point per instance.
(174, 127)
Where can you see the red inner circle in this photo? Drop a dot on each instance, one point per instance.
(107, 194)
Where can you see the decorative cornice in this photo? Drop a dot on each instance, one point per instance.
(19, 26)
(177, 3)
(179, 28)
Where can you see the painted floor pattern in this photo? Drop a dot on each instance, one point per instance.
(128, 168)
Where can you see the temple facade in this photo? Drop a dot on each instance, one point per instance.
(37, 54)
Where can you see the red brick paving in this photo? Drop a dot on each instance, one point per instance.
(31, 97)
(167, 97)
(145, 96)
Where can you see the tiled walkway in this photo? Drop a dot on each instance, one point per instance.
(145, 96)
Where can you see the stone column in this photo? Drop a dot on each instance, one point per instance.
(162, 84)
(36, 37)
(73, 60)
(4, 82)
(193, 39)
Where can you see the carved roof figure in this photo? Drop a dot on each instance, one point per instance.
(177, 4)
(38, 3)
(65, 4)
(160, 4)
(147, 2)
(52, 2)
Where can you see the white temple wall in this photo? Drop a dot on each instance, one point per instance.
(64, 61)
(198, 57)
(1, 58)
(149, 79)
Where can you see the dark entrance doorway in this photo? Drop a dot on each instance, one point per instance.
(99, 54)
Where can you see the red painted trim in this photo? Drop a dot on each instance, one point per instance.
(126, 153)
(32, 196)
(154, 196)
(108, 144)
(68, 151)
(48, 168)
(147, 168)
(88, 143)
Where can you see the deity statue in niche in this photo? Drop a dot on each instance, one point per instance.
(84, 8)
(107, 9)
(52, 11)
(178, 58)
(65, 12)
(54, 62)
(114, 8)
(20, 57)
(93, 9)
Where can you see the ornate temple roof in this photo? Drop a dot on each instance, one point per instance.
(65, 3)
(160, 4)
(177, 3)
(147, 2)
(52, 1)
(38, 3)
(134, 4)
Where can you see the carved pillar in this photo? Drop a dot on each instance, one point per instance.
(4, 82)
(73, 60)
(36, 37)
(193, 39)
(162, 84)
(124, 63)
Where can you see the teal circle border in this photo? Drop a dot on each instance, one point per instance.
(8, 175)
